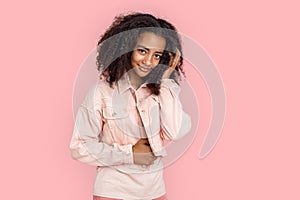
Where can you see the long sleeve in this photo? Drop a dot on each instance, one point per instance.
(175, 123)
(86, 145)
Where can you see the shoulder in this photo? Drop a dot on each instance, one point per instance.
(103, 88)
(96, 94)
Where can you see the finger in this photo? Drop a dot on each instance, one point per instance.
(178, 52)
(175, 59)
(171, 54)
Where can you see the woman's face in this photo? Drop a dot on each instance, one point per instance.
(147, 53)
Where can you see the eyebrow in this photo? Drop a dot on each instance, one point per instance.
(141, 46)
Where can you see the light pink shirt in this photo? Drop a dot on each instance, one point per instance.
(111, 120)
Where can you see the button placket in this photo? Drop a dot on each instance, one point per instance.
(141, 106)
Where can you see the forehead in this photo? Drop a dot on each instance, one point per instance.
(151, 40)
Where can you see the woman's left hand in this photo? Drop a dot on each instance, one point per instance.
(173, 63)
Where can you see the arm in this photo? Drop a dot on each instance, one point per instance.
(85, 143)
(174, 121)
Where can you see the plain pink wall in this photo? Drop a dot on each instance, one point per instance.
(255, 46)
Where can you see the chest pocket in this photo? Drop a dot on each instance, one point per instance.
(114, 113)
(117, 119)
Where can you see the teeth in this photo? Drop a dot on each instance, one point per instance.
(144, 69)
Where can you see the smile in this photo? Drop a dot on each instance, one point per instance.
(144, 69)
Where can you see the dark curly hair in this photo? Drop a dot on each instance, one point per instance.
(116, 45)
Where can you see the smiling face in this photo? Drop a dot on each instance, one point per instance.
(147, 53)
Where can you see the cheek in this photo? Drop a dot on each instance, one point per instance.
(136, 57)
(155, 63)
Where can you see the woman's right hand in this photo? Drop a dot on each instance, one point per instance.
(142, 153)
(173, 63)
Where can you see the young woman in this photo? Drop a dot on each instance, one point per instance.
(122, 123)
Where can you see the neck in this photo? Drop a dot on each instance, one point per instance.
(134, 79)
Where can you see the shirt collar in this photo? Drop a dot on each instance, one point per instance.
(124, 84)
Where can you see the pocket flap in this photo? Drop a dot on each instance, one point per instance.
(114, 112)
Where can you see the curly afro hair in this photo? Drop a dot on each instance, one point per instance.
(115, 47)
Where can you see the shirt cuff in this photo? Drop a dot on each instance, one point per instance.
(126, 152)
(168, 82)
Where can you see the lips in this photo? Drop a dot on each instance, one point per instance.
(144, 69)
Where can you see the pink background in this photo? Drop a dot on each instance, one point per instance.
(254, 45)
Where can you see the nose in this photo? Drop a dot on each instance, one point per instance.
(147, 60)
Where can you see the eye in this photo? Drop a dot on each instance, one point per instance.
(157, 56)
(142, 51)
